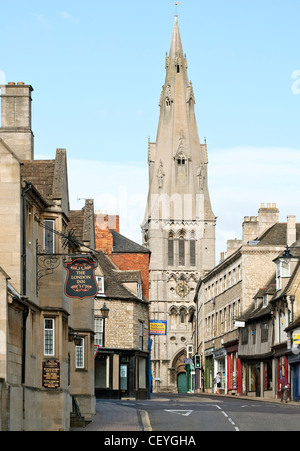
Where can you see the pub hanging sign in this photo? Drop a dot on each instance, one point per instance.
(81, 281)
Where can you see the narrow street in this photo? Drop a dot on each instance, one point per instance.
(194, 413)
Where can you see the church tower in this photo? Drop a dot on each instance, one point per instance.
(179, 225)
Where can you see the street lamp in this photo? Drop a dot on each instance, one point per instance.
(104, 311)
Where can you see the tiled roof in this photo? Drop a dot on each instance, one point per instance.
(41, 174)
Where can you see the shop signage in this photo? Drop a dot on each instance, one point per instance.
(81, 281)
(157, 327)
(51, 374)
(296, 338)
(96, 349)
(239, 324)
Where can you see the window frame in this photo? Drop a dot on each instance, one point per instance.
(52, 337)
(100, 291)
(99, 331)
(78, 357)
(47, 230)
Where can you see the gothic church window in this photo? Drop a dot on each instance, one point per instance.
(181, 251)
(171, 250)
(192, 252)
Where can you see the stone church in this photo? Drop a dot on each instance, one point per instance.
(179, 224)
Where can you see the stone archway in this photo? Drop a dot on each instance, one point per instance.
(178, 369)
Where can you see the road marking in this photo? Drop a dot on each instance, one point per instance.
(228, 418)
(184, 413)
(146, 420)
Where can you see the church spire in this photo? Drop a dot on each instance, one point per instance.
(178, 161)
(176, 45)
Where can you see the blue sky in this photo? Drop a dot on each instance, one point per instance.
(97, 69)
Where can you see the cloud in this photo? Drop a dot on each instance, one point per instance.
(68, 17)
(239, 179)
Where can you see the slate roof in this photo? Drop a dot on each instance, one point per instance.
(41, 174)
(276, 235)
(123, 245)
(257, 313)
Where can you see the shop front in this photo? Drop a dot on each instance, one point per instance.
(282, 366)
(234, 369)
(219, 357)
(121, 374)
(294, 363)
(257, 376)
(209, 370)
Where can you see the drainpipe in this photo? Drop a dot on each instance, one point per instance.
(27, 188)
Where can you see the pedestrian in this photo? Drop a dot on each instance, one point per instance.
(218, 382)
(283, 385)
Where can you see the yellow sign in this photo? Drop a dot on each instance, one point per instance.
(157, 327)
(296, 338)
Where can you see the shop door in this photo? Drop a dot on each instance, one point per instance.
(124, 379)
(257, 381)
(295, 382)
(182, 383)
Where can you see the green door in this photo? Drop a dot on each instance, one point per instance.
(182, 383)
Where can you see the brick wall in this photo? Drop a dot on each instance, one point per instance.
(139, 262)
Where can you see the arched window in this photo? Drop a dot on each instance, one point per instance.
(171, 250)
(182, 315)
(181, 250)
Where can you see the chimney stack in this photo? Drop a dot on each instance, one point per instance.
(291, 230)
(16, 119)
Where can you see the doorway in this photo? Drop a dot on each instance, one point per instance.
(124, 379)
(182, 383)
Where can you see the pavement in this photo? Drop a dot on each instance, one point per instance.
(110, 416)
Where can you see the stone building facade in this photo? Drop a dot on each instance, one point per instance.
(38, 357)
(179, 225)
(122, 356)
(226, 292)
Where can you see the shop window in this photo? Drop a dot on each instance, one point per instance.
(142, 373)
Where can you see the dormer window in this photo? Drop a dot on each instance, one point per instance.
(139, 291)
(282, 270)
(100, 283)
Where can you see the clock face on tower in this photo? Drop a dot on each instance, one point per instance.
(182, 289)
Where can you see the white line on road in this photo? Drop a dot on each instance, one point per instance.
(229, 419)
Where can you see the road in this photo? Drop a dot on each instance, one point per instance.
(178, 413)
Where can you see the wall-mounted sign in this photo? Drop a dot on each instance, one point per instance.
(296, 338)
(51, 374)
(81, 281)
(239, 324)
(157, 327)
